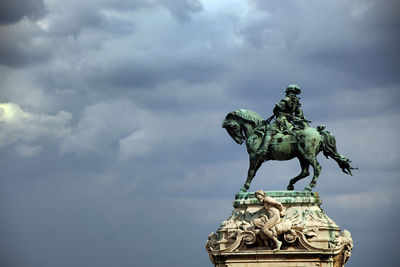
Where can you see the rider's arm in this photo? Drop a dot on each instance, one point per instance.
(280, 106)
(299, 113)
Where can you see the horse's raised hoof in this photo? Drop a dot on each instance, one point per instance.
(290, 187)
(307, 189)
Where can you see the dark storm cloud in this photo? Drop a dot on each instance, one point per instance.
(22, 45)
(129, 73)
(364, 43)
(15, 10)
(22, 40)
(380, 63)
(80, 15)
(379, 18)
(26, 42)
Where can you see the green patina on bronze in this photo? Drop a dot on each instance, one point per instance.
(284, 197)
(283, 136)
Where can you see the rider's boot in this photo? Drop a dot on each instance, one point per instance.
(263, 150)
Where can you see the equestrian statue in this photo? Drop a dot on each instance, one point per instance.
(283, 136)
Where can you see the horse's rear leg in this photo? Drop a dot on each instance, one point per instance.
(317, 170)
(304, 173)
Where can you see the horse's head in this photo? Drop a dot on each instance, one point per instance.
(234, 130)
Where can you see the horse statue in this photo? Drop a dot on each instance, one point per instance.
(244, 125)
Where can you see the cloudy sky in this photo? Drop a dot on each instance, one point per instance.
(112, 151)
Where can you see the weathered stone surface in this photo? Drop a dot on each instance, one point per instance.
(303, 235)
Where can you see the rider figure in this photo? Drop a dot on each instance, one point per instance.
(287, 113)
(288, 110)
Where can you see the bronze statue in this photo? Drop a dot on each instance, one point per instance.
(285, 138)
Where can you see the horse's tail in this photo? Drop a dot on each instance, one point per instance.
(328, 146)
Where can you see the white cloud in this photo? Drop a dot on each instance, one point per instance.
(27, 130)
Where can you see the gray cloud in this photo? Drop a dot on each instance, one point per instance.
(148, 74)
(117, 122)
(98, 131)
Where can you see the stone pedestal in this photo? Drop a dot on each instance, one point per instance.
(305, 234)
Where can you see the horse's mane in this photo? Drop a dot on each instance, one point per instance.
(246, 115)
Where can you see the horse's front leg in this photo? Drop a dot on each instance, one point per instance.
(250, 175)
(255, 164)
